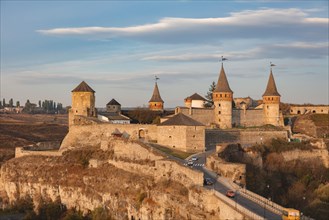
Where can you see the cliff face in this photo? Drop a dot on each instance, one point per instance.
(128, 184)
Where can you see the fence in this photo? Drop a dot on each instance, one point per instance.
(238, 207)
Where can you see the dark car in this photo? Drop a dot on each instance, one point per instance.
(230, 193)
(208, 181)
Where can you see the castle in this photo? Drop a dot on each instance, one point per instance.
(246, 112)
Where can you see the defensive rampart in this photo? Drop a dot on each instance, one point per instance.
(244, 137)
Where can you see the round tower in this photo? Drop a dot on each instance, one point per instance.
(271, 103)
(83, 102)
(223, 97)
(156, 102)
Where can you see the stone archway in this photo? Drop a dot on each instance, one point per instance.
(141, 134)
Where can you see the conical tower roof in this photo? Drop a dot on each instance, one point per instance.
(156, 95)
(271, 89)
(83, 87)
(222, 84)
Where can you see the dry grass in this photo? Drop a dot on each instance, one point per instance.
(17, 130)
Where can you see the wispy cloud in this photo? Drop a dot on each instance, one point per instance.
(271, 23)
(292, 50)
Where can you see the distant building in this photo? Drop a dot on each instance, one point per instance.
(195, 101)
(183, 133)
(83, 102)
(156, 102)
(245, 112)
(113, 114)
(306, 109)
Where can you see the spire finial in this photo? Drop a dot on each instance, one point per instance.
(156, 78)
(271, 65)
(223, 59)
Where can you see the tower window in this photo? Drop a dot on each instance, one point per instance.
(155, 104)
(219, 105)
(220, 95)
(219, 112)
(225, 95)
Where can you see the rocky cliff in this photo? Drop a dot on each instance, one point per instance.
(128, 178)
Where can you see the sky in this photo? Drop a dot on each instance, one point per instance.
(118, 47)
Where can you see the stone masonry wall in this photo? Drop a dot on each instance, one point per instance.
(203, 115)
(172, 136)
(99, 132)
(195, 139)
(322, 155)
(248, 118)
(243, 137)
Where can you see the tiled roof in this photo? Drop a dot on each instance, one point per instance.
(113, 102)
(114, 116)
(196, 96)
(156, 95)
(181, 119)
(271, 89)
(83, 87)
(222, 84)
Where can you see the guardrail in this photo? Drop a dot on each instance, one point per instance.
(237, 206)
(270, 205)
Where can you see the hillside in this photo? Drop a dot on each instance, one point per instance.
(314, 125)
(18, 130)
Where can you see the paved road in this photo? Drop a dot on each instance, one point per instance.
(223, 185)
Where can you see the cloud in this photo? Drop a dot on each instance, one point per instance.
(262, 23)
(297, 50)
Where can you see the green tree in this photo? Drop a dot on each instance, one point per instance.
(40, 104)
(210, 101)
(17, 104)
(4, 102)
(11, 103)
(0, 104)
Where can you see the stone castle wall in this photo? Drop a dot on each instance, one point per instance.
(20, 152)
(321, 155)
(103, 131)
(172, 136)
(244, 137)
(248, 118)
(304, 109)
(204, 115)
(195, 139)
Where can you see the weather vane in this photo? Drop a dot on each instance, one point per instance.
(223, 59)
(156, 79)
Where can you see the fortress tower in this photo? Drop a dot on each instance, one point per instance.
(223, 97)
(271, 103)
(83, 102)
(156, 102)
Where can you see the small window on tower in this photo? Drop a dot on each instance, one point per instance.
(219, 105)
(219, 112)
(220, 95)
(155, 104)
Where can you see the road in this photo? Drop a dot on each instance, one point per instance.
(223, 185)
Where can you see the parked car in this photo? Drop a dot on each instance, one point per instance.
(190, 163)
(208, 181)
(230, 193)
(194, 158)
